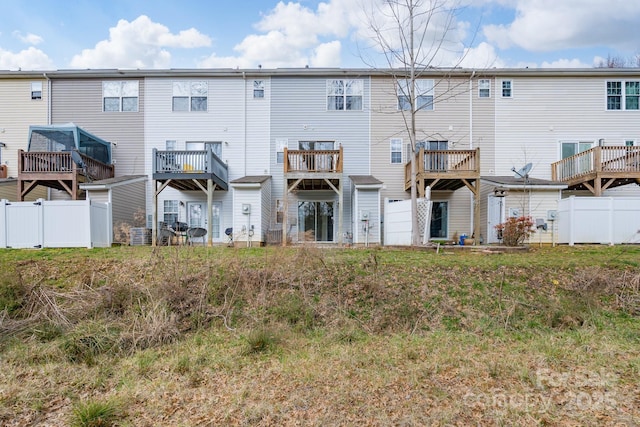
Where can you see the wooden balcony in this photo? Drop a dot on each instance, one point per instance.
(313, 169)
(57, 169)
(444, 169)
(599, 168)
(190, 170)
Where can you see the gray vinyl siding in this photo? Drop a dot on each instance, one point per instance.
(80, 101)
(126, 200)
(17, 112)
(266, 217)
(299, 113)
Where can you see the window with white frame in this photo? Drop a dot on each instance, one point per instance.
(170, 212)
(281, 143)
(190, 96)
(344, 94)
(120, 96)
(623, 95)
(506, 88)
(396, 150)
(170, 145)
(484, 88)
(36, 90)
(216, 146)
(423, 94)
(258, 89)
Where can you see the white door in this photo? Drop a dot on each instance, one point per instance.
(196, 217)
(495, 216)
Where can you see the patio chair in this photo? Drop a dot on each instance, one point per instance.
(196, 233)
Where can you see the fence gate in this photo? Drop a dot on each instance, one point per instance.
(23, 225)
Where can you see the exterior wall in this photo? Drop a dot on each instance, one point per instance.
(369, 201)
(265, 209)
(224, 121)
(126, 199)
(449, 120)
(80, 101)
(9, 191)
(546, 110)
(242, 222)
(257, 153)
(17, 112)
(299, 113)
(483, 131)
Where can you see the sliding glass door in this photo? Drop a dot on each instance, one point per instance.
(315, 221)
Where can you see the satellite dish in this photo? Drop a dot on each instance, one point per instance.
(523, 172)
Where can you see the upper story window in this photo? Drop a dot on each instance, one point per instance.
(484, 88)
(506, 88)
(344, 94)
(258, 89)
(281, 143)
(120, 96)
(216, 146)
(396, 150)
(623, 95)
(423, 93)
(36, 90)
(190, 96)
(170, 145)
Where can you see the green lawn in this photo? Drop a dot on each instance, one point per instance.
(184, 336)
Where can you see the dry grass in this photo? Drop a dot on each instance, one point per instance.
(200, 336)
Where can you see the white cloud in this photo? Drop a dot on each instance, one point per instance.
(482, 56)
(28, 59)
(29, 38)
(546, 25)
(140, 43)
(292, 35)
(565, 63)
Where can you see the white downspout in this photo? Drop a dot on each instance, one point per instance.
(472, 211)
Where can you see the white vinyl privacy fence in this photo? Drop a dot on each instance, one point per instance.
(397, 222)
(55, 224)
(605, 220)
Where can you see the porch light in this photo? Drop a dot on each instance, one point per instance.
(500, 192)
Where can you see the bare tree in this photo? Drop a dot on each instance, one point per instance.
(413, 37)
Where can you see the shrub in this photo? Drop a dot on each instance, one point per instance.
(94, 414)
(515, 230)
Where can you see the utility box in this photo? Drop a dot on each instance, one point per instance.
(246, 208)
(364, 215)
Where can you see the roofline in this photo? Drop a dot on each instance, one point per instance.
(317, 72)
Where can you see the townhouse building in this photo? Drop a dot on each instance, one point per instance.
(313, 155)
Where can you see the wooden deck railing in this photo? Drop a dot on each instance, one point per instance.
(189, 162)
(452, 162)
(313, 161)
(46, 163)
(616, 159)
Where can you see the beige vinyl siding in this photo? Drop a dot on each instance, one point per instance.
(449, 120)
(17, 112)
(79, 101)
(9, 191)
(483, 131)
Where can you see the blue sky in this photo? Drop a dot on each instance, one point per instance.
(59, 34)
